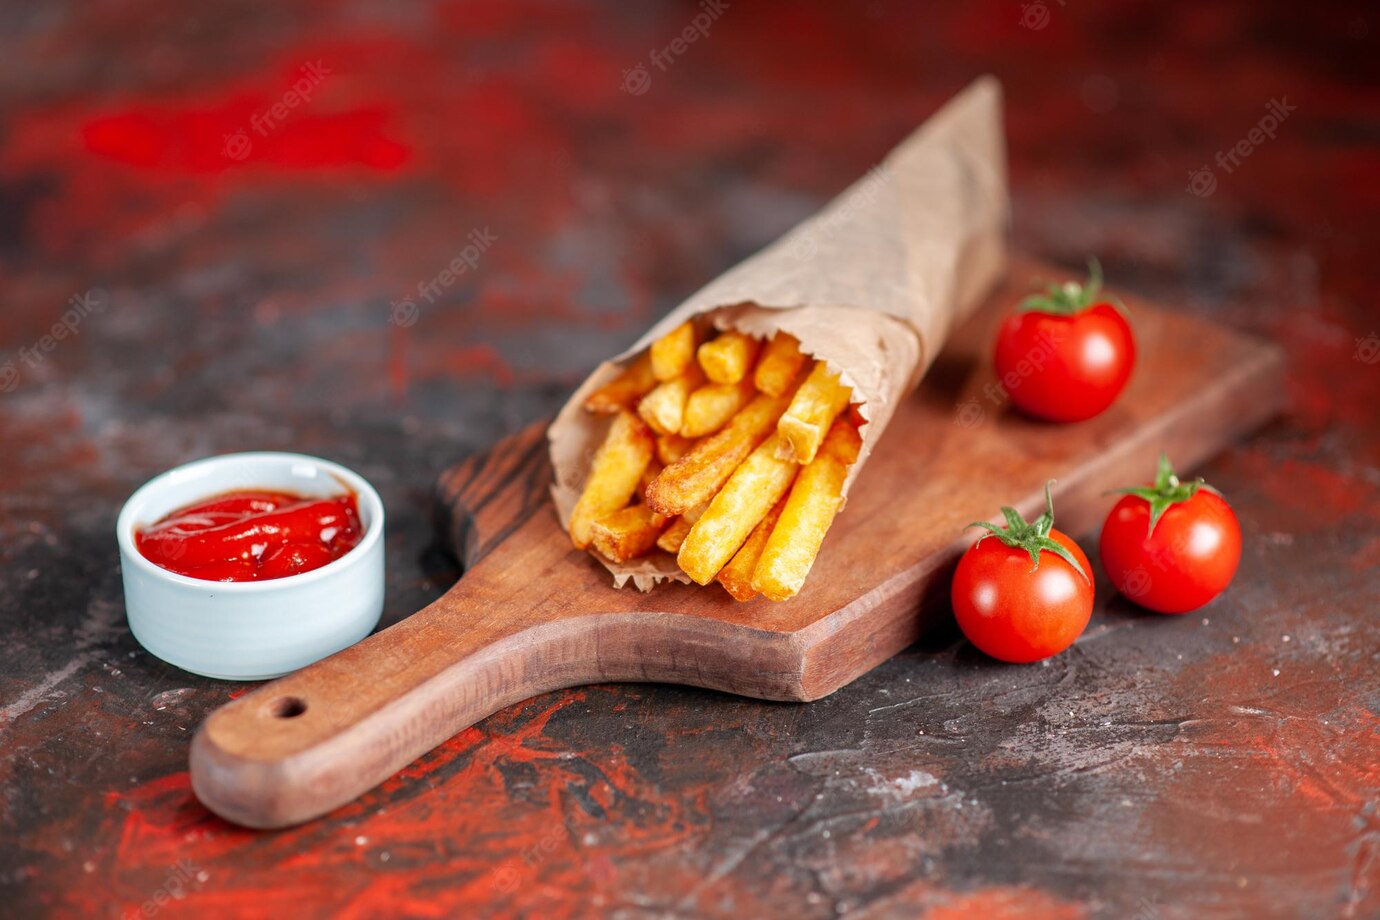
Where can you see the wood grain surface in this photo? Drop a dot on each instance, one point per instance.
(531, 614)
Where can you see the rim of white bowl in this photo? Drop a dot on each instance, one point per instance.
(364, 494)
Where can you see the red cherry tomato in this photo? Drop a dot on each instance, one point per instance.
(1065, 356)
(1018, 592)
(1171, 547)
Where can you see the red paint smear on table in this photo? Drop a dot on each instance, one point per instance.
(151, 162)
(222, 134)
(555, 840)
(1001, 903)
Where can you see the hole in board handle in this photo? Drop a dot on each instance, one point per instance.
(288, 707)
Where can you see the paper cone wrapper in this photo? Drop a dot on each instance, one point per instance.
(872, 285)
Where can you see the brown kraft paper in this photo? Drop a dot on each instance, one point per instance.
(871, 284)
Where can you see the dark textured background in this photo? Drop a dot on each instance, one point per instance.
(259, 289)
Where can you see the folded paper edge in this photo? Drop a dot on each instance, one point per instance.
(965, 137)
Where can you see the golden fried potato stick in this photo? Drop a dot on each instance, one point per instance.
(779, 365)
(743, 501)
(695, 477)
(622, 392)
(672, 537)
(711, 406)
(627, 533)
(736, 577)
(613, 475)
(671, 447)
(653, 470)
(674, 352)
(728, 358)
(664, 407)
(809, 510)
(813, 409)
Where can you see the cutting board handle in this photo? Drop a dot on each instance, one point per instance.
(321, 736)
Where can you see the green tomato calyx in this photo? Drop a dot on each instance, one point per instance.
(1167, 491)
(1068, 298)
(1031, 536)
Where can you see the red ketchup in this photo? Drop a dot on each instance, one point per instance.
(252, 535)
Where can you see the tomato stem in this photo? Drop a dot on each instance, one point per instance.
(1068, 298)
(1031, 536)
(1167, 491)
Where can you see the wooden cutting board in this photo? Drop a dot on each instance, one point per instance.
(532, 614)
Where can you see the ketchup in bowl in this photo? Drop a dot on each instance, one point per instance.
(252, 535)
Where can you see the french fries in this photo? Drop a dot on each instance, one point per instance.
(622, 392)
(728, 358)
(711, 406)
(664, 408)
(674, 352)
(697, 476)
(653, 470)
(813, 409)
(779, 365)
(613, 476)
(744, 500)
(671, 447)
(672, 537)
(727, 454)
(627, 533)
(814, 499)
(736, 577)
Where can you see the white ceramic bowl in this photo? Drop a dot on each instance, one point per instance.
(251, 630)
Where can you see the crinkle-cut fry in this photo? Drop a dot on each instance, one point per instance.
(674, 352)
(779, 365)
(729, 357)
(711, 406)
(613, 475)
(622, 392)
(664, 407)
(736, 577)
(743, 501)
(812, 410)
(695, 477)
(809, 511)
(627, 533)
(672, 537)
(671, 447)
